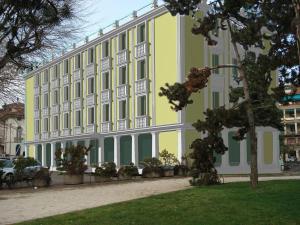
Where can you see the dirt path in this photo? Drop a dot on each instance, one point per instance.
(26, 204)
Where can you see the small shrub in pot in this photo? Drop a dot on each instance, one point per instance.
(152, 168)
(169, 160)
(128, 171)
(105, 172)
(73, 163)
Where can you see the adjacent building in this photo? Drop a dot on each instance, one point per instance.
(291, 120)
(105, 94)
(12, 130)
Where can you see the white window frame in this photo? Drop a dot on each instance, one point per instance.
(78, 118)
(66, 121)
(91, 88)
(104, 119)
(91, 55)
(103, 79)
(68, 93)
(37, 126)
(105, 48)
(121, 47)
(46, 76)
(139, 31)
(46, 124)
(55, 123)
(66, 66)
(78, 92)
(91, 115)
(120, 74)
(139, 111)
(121, 107)
(46, 100)
(138, 64)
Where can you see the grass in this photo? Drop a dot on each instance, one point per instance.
(273, 202)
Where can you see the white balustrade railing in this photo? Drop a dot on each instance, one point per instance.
(55, 83)
(66, 79)
(66, 132)
(90, 70)
(105, 127)
(77, 74)
(142, 121)
(141, 49)
(123, 57)
(55, 109)
(77, 103)
(66, 106)
(122, 91)
(91, 128)
(106, 95)
(77, 130)
(90, 99)
(55, 133)
(105, 63)
(45, 87)
(45, 111)
(123, 124)
(141, 86)
(36, 90)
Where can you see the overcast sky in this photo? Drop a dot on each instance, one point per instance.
(100, 13)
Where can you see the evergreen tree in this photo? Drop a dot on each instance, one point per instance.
(265, 25)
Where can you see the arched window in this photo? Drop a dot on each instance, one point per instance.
(19, 134)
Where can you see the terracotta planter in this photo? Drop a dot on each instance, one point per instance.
(40, 183)
(99, 179)
(73, 179)
(168, 172)
(152, 174)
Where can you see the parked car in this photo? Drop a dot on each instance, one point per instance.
(291, 159)
(30, 170)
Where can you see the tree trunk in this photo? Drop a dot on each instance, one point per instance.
(250, 115)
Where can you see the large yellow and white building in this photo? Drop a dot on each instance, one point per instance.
(105, 94)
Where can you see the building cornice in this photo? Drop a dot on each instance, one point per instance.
(147, 16)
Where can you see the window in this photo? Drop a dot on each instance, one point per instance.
(91, 115)
(37, 102)
(66, 66)
(19, 134)
(215, 100)
(91, 55)
(66, 93)
(37, 80)
(78, 118)
(122, 41)
(46, 100)
(55, 97)
(122, 75)
(122, 108)
(66, 120)
(215, 62)
(77, 61)
(141, 33)
(46, 76)
(105, 49)
(37, 127)
(56, 71)
(46, 128)
(289, 113)
(142, 106)
(106, 113)
(55, 123)
(141, 69)
(77, 90)
(106, 82)
(91, 85)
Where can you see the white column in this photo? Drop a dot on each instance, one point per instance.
(298, 155)
(296, 128)
(260, 150)
(52, 155)
(243, 155)
(225, 157)
(181, 144)
(100, 151)
(155, 144)
(117, 150)
(87, 157)
(135, 152)
(44, 154)
(26, 150)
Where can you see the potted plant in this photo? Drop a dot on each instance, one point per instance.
(152, 168)
(182, 169)
(73, 163)
(169, 160)
(105, 172)
(42, 178)
(128, 172)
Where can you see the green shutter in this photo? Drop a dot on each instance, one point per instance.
(48, 155)
(234, 150)
(144, 146)
(216, 100)
(108, 149)
(125, 150)
(94, 153)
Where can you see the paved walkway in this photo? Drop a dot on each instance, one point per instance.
(26, 204)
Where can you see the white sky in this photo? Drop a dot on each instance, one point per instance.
(100, 13)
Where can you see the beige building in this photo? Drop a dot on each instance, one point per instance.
(12, 129)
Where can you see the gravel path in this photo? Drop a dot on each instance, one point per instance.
(26, 204)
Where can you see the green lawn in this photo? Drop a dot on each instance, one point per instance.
(274, 202)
